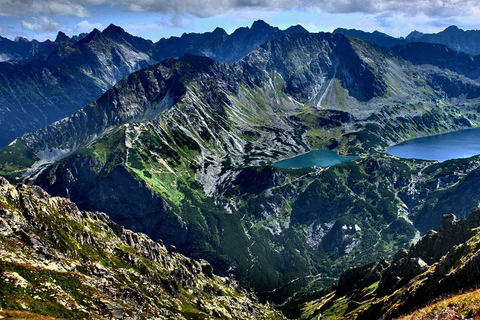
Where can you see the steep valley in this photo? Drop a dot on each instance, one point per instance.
(182, 151)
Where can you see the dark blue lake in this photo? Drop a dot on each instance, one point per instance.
(320, 158)
(459, 144)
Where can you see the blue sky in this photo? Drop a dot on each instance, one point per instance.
(154, 19)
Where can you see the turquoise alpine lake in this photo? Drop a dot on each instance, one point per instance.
(319, 158)
(453, 145)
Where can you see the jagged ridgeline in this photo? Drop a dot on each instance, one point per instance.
(179, 150)
(61, 262)
(63, 76)
(443, 264)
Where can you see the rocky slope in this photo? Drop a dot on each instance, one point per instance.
(461, 306)
(442, 263)
(56, 260)
(179, 151)
(441, 56)
(428, 49)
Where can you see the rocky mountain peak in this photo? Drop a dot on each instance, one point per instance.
(95, 34)
(79, 37)
(219, 31)
(414, 35)
(453, 37)
(113, 30)
(260, 25)
(297, 29)
(452, 29)
(61, 37)
(21, 39)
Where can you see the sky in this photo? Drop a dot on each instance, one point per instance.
(154, 19)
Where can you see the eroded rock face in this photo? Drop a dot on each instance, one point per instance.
(59, 261)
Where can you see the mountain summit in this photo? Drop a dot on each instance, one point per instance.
(62, 37)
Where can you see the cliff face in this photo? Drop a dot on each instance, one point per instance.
(442, 263)
(58, 261)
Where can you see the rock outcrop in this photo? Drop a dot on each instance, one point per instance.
(441, 264)
(58, 261)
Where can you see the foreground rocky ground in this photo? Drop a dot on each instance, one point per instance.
(61, 262)
(443, 264)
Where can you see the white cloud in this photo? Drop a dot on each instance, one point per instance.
(138, 30)
(85, 26)
(247, 15)
(430, 8)
(42, 23)
(208, 8)
(46, 7)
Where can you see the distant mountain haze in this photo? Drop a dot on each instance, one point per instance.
(453, 37)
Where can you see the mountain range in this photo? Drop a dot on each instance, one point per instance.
(21, 49)
(183, 150)
(452, 37)
(63, 76)
(171, 151)
(46, 81)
